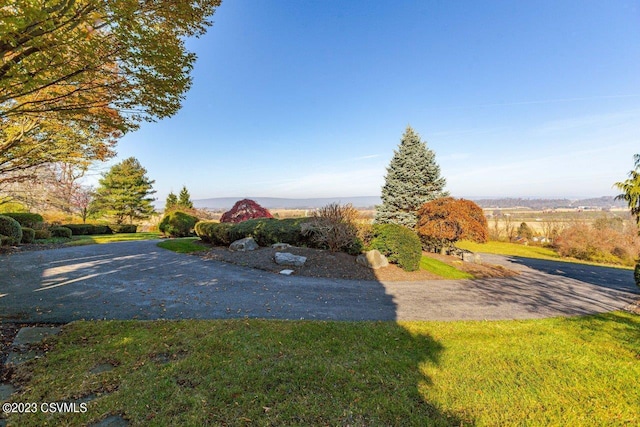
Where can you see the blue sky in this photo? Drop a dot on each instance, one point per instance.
(297, 98)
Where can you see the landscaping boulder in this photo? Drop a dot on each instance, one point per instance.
(286, 258)
(372, 259)
(242, 245)
(287, 272)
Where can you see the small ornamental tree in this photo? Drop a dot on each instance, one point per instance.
(243, 210)
(444, 221)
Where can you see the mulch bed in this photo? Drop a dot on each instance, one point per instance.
(25, 247)
(339, 265)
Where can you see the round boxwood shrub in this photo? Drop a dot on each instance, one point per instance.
(636, 274)
(399, 244)
(28, 235)
(60, 232)
(177, 224)
(10, 228)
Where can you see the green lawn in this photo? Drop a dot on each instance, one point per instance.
(442, 269)
(565, 371)
(513, 249)
(183, 245)
(110, 238)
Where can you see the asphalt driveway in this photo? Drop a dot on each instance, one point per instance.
(138, 280)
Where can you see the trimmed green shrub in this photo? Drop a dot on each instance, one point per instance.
(101, 229)
(79, 229)
(26, 219)
(60, 232)
(636, 274)
(177, 224)
(399, 244)
(287, 230)
(267, 231)
(28, 235)
(5, 240)
(216, 233)
(10, 228)
(42, 234)
(123, 228)
(87, 229)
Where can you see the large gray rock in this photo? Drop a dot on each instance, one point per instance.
(242, 245)
(286, 258)
(372, 259)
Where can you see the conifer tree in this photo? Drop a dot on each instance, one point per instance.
(413, 179)
(184, 199)
(124, 192)
(172, 201)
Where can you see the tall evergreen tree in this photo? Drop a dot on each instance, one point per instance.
(124, 192)
(172, 201)
(413, 178)
(184, 199)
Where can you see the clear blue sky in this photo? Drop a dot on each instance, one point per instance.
(297, 98)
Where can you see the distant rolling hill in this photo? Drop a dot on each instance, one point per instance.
(281, 203)
(225, 203)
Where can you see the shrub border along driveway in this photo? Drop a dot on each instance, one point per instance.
(138, 280)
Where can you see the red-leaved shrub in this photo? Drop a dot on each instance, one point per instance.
(444, 221)
(243, 210)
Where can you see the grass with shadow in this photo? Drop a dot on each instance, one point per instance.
(110, 238)
(442, 269)
(183, 245)
(562, 371)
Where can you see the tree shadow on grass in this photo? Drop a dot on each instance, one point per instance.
(367, 371)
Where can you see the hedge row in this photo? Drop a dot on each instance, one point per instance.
(399, 244)
(123, 228)
(265, 231)
(25, 219)
(92, 229)
(88, 229)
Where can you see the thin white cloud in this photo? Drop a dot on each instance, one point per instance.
(599, 121)
(339, 183)
(371, 156)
